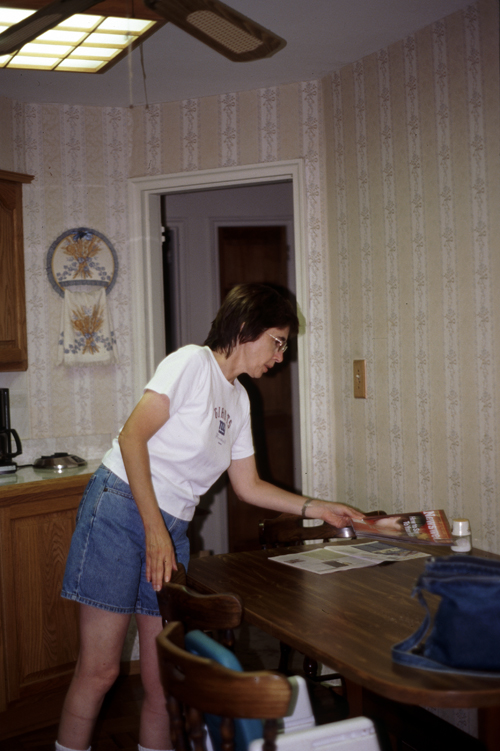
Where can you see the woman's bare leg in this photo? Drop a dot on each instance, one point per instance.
(155, 727)
(102, 635)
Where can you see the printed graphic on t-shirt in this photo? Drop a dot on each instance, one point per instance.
(223, 420)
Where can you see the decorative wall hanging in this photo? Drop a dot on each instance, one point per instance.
(79, 258)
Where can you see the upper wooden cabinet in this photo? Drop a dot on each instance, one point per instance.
(13, 338)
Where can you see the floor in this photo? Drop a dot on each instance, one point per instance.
(117, 728)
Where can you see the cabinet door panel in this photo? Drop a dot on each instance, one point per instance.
(13, 337)
(41, 628)
(7, 243)
(52, 646)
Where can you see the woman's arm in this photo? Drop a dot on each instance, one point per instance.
(250, 488)
(151, 413)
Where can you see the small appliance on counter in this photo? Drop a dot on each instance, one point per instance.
(59, 462)
(7, 466)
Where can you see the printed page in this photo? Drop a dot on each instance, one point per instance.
(329, 559)
(383, 551)
(326, 560)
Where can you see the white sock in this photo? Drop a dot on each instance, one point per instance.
(65, 748)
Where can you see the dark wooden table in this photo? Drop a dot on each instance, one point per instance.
(349, 621)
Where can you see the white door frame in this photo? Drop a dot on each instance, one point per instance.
(147, 285)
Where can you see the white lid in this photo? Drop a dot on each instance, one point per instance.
(460, 527)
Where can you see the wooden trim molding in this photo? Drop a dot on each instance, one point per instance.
(16, 177)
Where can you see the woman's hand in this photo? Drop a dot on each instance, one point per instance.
(336, 514)
(160, 556)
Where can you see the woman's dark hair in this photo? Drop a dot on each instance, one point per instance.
(248, 311)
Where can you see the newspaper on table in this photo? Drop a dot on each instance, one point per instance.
(331, 558)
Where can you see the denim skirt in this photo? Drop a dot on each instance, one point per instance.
(106, 565)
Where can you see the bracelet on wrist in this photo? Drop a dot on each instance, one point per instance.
(304, 507)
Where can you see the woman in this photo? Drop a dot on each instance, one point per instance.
(192, 423)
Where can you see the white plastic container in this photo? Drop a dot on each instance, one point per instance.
(461, 536)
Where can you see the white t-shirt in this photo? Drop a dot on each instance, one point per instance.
(208, 427)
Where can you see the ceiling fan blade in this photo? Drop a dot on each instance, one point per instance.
(225, 30)
(21, 33)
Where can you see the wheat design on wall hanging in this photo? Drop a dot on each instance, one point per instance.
(81, 256)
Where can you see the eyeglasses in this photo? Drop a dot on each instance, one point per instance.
(280, 346)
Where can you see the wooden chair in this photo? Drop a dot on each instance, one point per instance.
(286, 530)
(220, 612)
(197, 685)
(223, 612)
(179, 576)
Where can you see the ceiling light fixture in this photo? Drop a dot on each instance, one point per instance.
(212, 22)
(222, 28)
(82, 43)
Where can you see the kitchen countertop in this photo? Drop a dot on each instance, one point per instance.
(28, 474)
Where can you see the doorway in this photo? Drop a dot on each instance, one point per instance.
(218, 238)
(145, 259)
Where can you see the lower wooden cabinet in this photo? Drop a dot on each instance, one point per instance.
(38, 629)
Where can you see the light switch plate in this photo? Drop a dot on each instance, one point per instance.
(359, 374)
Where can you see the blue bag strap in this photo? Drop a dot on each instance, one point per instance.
(409, 659)
(402, 652)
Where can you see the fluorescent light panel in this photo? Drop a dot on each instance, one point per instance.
(83, 43)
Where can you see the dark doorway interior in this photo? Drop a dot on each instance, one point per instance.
(259, 254)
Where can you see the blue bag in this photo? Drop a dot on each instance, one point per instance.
(465, 635)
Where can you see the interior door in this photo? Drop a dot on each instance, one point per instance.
(259, 254)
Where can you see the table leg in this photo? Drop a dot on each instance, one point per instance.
(354, 694)
(488, 722)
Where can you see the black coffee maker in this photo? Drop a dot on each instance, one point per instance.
(7, 466)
